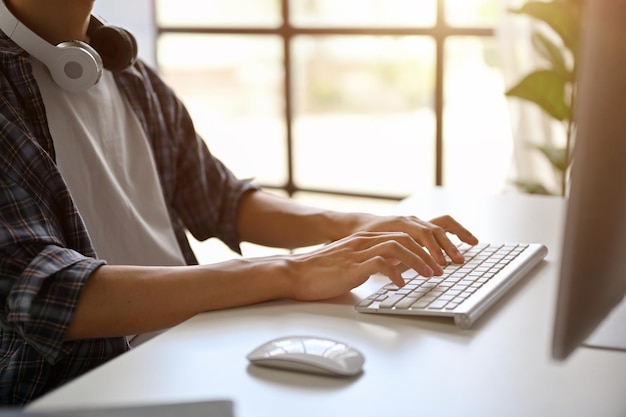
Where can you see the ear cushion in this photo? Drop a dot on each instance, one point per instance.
(75, 66)
(116, 46)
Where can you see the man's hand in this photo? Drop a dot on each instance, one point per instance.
(433, 234)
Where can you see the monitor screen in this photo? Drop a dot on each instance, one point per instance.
(592, 280)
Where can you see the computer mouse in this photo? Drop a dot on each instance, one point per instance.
(310, 354)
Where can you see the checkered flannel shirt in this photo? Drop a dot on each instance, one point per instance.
(46, 255)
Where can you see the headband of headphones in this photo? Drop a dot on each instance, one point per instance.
(75, 65)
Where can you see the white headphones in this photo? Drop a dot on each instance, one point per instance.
(75, 65)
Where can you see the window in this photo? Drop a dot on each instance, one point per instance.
(373, 98)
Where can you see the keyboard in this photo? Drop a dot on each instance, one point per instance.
(464, 291)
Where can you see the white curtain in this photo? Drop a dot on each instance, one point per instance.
(529, 124)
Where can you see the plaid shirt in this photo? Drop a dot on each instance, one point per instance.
(46, 255)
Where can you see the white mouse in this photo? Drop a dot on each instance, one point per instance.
(309, 354)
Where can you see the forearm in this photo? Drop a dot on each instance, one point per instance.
(124, 300)
(269, 220)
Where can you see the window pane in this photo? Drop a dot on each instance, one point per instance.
(471, 13)
(363, 116)
(346, 204)
(264, 13)
(477, 133)
(364, 12)
(234, 92)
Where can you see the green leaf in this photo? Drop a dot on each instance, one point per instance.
(556, 156)
(532, 187)
(546, 88)
(562, 16)
(551, 52)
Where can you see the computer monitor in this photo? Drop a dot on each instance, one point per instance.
(592, 280)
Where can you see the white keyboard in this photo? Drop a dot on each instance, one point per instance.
(464, 291)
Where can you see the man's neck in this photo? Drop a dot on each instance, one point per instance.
(54, 20)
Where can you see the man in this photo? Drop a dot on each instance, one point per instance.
(98, 188)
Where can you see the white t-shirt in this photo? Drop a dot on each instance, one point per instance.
(105, 158)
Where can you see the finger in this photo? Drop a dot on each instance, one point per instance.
(450, 225)
(380, 265)
(424, 254)
(448, 246)
(414, 257)
(435, 239)
(444, 243)
(389, 244)
(430, 241)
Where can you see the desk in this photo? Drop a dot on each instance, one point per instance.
(414, 366)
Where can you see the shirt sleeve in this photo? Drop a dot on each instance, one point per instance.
(209, 195)
(45, 254)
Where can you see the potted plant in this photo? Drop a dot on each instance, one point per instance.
(552, 86)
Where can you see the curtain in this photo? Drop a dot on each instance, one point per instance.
(529, 125)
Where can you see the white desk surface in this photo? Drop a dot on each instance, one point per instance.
(414, 366)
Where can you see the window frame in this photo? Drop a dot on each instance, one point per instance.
(286, 32)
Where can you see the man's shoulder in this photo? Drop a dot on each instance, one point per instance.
(14, 64)
(143, 76)
(8, 48)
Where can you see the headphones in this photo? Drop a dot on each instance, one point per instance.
(75, 65)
